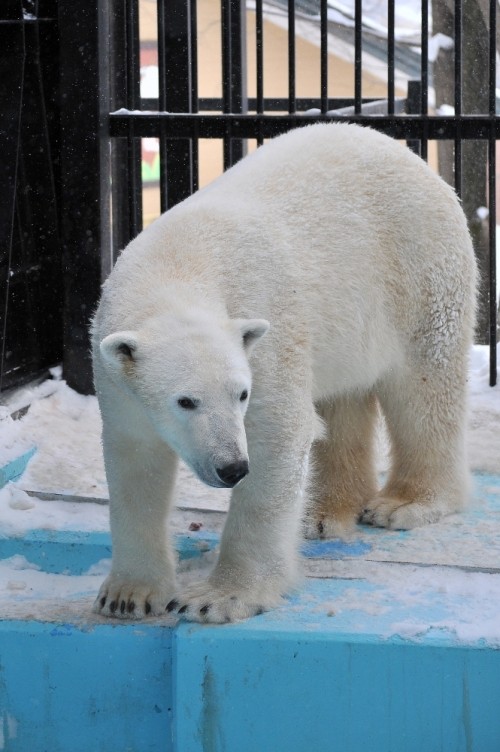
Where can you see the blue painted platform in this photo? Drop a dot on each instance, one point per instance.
(391, 645)
(15, 468)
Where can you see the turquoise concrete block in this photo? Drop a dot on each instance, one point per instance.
(74, 552)
(272, 688)
(346, 664)
(59, 551)
(70, 689)
(15, 468)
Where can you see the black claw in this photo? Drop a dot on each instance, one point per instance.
(112, 606)
(103, 601)
(131, 607)
(147, 608)
(259, 611)
(172, 605)
(204, 609)
(321, 528)
(122, 607)
(182, 609)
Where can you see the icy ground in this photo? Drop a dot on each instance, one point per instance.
(455, 563)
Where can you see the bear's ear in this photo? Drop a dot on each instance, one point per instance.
(119, 349)
(251, 331)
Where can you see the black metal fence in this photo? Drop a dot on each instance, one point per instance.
(31, 288)
(103, 119)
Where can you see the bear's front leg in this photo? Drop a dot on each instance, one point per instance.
(141, 476)
(258, 561)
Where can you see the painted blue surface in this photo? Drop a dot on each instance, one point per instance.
(59, 551)
(67, 689)
(316, 691)
(15, 468)
(289, 680)
(305, 677)
(334, 549)
(74, 552)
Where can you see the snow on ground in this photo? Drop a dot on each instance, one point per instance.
(410, 602)
(65, 428)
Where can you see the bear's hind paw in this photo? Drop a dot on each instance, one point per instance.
(329, 527)
(399, 514)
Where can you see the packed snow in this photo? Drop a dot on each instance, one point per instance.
(441, 577)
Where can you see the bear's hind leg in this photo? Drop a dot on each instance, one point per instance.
(425, 413)
(342, 472)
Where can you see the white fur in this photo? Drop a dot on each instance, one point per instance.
(359, 257)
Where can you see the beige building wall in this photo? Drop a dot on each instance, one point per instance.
(340, 74)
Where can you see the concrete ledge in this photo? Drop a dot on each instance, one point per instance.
(69, 552)
(377, 652)
(16, 467)
(262, 687)
(64, 688)
(277, 682)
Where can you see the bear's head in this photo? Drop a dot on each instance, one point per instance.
(191, 375)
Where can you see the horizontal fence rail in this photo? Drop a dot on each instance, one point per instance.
(182, 115)
(185, 125)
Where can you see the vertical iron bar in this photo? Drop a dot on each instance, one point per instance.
(259, 40)
(458, 95)
(259, 57)
(413, 105)
(174, 47)
(390, 57)
(233, 71)
(226, 55)
(291, 57)
(194, 87)
(84, 179)
(226, 72)
(492, 217)
(324, 56)
(133, 103)
(492, 249)
(194, 55)
(12, 70)
(120, 204)
(104, 40)
(424, 71)
(358, 52)
(162, 100)
(237, 73)
(492, 60)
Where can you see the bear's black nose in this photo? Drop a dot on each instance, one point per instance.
(233, 473)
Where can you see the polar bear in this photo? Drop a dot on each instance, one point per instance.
(252, 330)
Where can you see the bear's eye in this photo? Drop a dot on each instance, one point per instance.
(243, 395)
(186, 403)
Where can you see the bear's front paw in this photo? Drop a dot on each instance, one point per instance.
(129, 599)
(210, 604)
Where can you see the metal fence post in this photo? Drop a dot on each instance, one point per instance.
(234, 93)
(30, 269)
(84, 177)
(11, 94)
(175, 44)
